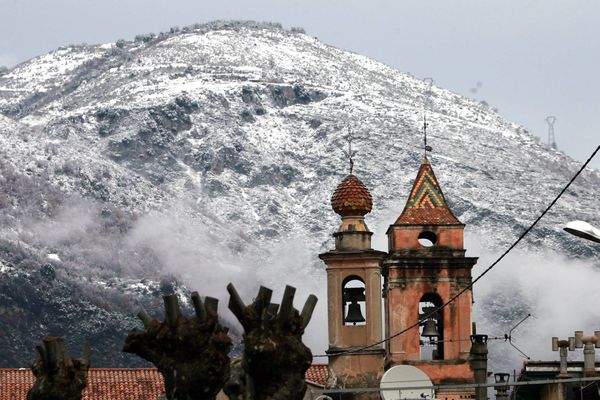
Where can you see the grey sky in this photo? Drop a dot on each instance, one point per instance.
(533, 58)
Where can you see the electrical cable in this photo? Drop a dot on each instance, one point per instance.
(470, 285)
(515, 384)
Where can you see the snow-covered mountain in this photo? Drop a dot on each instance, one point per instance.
(209, 154)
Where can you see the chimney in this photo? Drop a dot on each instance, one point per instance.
(501, 378)
(565, 346)
(478, 362)
(589, 344)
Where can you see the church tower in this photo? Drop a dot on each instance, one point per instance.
(425, 267)
(354, 293)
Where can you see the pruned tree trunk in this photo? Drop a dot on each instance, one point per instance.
(275, 359)
(191, 354)
(57, 376)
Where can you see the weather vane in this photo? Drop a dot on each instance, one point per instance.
(427, 102)
(425, 146)
(349, 153)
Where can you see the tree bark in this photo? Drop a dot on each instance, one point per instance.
(275, 359)
(57, 376)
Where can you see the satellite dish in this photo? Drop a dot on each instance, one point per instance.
(583, 230)
(406, 382)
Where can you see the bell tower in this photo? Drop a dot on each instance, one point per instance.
(354, 292)
(425, 267)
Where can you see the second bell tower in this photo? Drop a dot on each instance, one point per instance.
(354, 293)
(426, 266)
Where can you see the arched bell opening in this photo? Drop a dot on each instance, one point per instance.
(354, 305)
(427, 239)
(431, 329)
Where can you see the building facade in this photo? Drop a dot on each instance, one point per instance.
(425, 268)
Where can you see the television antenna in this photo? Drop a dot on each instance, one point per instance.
(508, 337)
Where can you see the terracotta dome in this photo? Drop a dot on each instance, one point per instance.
(351, 197)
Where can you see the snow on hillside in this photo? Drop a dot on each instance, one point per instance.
(213, 152)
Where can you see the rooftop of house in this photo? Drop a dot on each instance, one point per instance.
(542, 370)
(116, 383)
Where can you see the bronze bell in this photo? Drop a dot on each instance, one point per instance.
(354, 314)
(430, 329)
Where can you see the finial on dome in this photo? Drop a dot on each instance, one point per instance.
(350, 153)
(352, 200)
(351, 197)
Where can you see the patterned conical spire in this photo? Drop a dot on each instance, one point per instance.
(426, 204)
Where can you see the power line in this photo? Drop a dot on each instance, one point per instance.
(470, 285)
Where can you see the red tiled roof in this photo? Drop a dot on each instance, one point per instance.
(114, 383)
(426, 204)
(103, 384)
(351, 197)
(317, 373)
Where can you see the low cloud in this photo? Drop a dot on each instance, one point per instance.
(205, 254)
(559, 292)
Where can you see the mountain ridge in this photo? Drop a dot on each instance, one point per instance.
(217, 146)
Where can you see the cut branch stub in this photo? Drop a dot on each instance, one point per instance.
(287, 305)
(272, 310)
(275, 359)
(198, 307)
(144, 317)
(262, 299)
(308, 309)
(172, 311)
(54, 349)
(211, 305)
(236, 305)
(269, 315)
(57, 376)
(190, 353)
(86, 354)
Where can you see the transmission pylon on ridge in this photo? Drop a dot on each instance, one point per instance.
(550, 120)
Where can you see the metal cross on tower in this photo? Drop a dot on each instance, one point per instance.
(349, 153)
(426, 103)
(550, 120)
(425, 146)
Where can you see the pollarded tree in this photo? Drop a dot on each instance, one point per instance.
(190, 353)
